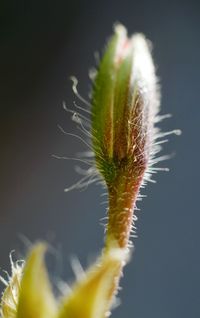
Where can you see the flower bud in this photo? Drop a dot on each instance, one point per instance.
(124, 104)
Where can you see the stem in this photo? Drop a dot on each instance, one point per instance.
(122, 197)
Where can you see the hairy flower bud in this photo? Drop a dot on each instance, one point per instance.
(124, 104)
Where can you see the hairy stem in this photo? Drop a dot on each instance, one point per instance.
(122, 197)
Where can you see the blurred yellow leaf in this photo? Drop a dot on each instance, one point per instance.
(36, 299)
(93, 295)
(9, 300)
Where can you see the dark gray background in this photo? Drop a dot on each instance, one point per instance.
(42, 43)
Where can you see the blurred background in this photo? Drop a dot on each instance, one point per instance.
(43, 43)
